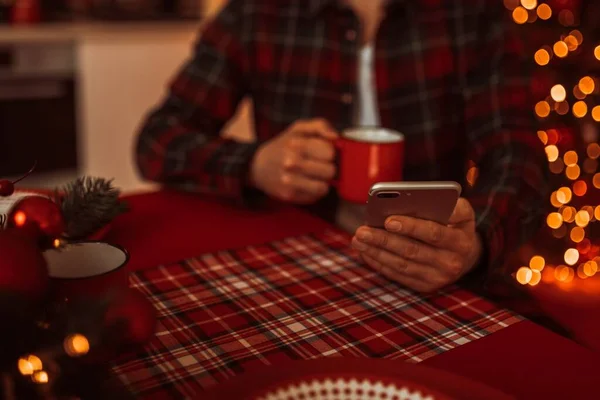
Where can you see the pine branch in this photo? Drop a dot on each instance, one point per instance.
(88, 204)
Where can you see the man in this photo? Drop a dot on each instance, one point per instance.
(445, 73)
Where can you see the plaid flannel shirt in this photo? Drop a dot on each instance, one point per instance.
(449, 76)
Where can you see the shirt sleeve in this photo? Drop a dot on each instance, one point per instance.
(512, 185)
(179, 142)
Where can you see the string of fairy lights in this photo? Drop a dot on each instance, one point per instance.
(581, 259)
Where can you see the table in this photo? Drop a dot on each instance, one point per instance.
(524, 359)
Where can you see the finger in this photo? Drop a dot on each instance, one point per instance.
(397, 263)
(407, 281)
(312, 148)
(463, 213)
(381, 255)
(405, 247)
(295, 183)
(318, 126)
(429, 232)
(311, 168)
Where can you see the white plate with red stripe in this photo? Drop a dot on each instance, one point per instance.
(351, 379)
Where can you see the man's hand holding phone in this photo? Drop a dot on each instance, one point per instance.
(422, 255)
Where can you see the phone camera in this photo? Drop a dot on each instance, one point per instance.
(388, 195)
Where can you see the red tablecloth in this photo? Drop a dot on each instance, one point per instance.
(304, 297)
(524, 359)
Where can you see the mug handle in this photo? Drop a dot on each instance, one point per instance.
(337, 161)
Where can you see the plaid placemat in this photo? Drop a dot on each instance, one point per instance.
(300, 298)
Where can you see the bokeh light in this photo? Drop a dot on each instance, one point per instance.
(562, 108)
(573, 172)
(554, 200)
(558, 93)
(571, 256)
(589, 210)
(584, 246)
(25, 367)
(582, 218)
(568, 214)
(570, 158)
(536, 277)
(566, 17)
(542, 57)
(561, 49)
(579, 95)
(544, 11)
(571, 42)
(581, 272)
(578, 35)
(35, 362)
(552, 136)
(596, 180)
(76, 345)
(587, 85)
(597, 52)
(524, 275)
(520, 15)
(564, 195)
(542, 109)
(557, 167)
(579, 109)
(537, 263)
(579, 188)
(593, 149)
(552, 152)
(472, 175)
(40, 377)
(563, 273)
(529, 4)
(554, 220)
(590, 268)
(577, 234)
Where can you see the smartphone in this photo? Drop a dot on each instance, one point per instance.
(434, 201)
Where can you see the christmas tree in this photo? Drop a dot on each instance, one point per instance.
(564, 43)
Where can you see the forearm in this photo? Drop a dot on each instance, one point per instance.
(171, 152)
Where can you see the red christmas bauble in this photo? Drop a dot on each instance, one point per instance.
(136, 313)
(23, 269)
(6, 188)
(39, 218)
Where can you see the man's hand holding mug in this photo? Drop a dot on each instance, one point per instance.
(298, 165)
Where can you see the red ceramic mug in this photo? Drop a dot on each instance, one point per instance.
(87, 270)
(366, 156)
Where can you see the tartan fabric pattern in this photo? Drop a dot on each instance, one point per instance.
(299, 298)
(450, 76)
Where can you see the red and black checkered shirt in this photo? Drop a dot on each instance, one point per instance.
(449, 76)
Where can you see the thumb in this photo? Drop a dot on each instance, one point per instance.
(463, 213)
(317, 127)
